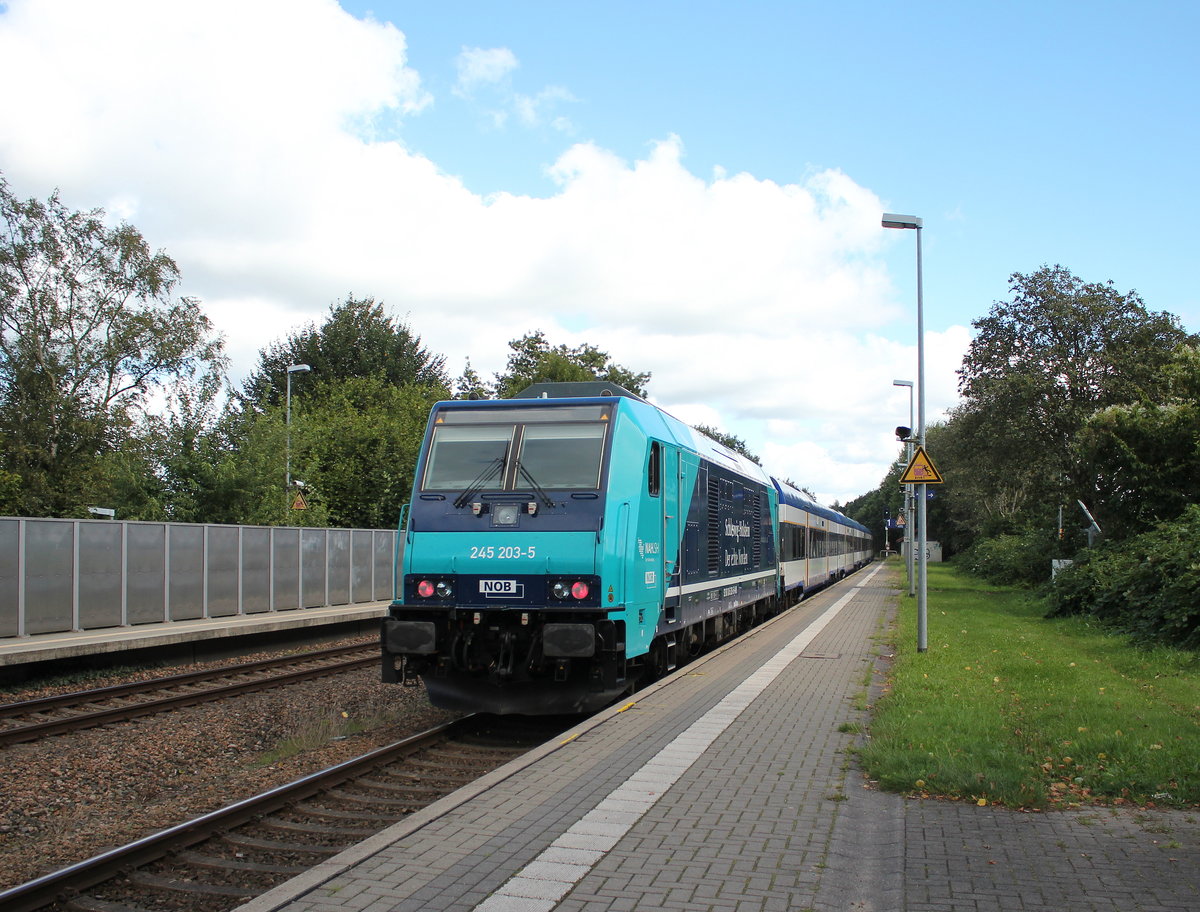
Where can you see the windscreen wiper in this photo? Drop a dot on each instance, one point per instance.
(480, 480)
(537, 488)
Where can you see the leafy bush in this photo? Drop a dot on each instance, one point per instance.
(1014, 559)
(1148, 585)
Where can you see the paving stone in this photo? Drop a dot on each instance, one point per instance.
(752, 809)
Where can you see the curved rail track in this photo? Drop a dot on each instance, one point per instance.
(220, 860)
(32, 719)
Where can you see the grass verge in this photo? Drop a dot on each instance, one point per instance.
(1009, 707)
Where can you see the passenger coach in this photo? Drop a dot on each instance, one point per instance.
(818, 545)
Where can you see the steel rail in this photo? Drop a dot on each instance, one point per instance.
(43, 704)
(62, 885)
(35, 730)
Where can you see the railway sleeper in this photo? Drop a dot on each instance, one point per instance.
(85, 903)
(475, 754)
(307, 826)
(357, 816)
(407, 791)
(368, 800)
(175, 885)
(213, 862)
(255, 843)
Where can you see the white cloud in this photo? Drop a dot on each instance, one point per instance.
(257, 143)
(483, 77)
(483, 67)
(534, 110)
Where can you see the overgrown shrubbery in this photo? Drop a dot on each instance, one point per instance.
(1148, 585)
(1014, 559)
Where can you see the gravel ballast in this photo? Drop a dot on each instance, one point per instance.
(66, 798)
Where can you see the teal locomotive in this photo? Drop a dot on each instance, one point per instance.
(563, 547)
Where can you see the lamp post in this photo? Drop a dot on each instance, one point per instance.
(908, 495)
(891, 220)
(292, 369)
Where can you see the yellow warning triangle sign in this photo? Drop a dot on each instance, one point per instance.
(298, 503)
(921, 470)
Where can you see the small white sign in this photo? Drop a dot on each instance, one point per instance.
(497, 588)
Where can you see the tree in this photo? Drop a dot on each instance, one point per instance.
(355, 445)
(89, 332)
(1146, 455)
(357, 339)
(1039, 367)
(533, 360)
(471, 386)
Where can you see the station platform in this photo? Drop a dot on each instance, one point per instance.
(186, 635)
(731, 786)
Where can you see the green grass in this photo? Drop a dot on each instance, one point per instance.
(1006, 706)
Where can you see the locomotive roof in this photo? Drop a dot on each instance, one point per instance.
(578, 390)
(669, 427)
(682, 433)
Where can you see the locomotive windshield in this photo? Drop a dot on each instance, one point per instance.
(507, 449)
(462, 455)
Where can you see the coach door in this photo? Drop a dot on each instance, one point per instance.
(668, 457)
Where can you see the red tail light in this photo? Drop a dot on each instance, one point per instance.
(579, 590)
(425, 589)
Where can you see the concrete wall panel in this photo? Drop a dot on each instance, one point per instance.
(256, 569)
(222, 569)
(49, 575)
(10, 576)
(186, 584)
(339, 566)
(101, 575)
(312, 561)
(145, 580)
(285, 576)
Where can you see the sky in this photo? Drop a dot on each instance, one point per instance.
(695, 188)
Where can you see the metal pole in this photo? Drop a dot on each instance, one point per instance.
(891, 220)
(922, 542)
(292, 368)
(288, 484)
(909, 533)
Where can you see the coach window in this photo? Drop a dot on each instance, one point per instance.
(654, 475)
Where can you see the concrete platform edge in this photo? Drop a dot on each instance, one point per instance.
(303, 884)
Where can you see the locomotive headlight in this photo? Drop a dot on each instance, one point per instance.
(560, 591)
(425, 589)
(444, 589)
(579, 590)
(505, 514)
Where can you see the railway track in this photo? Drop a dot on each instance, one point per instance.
(218, 861)
(32, 719)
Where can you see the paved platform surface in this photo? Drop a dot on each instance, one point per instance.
(731, 787)
(46, 647)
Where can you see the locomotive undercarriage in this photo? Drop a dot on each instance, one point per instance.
(507, 661)
(510, 661)
(670, 649)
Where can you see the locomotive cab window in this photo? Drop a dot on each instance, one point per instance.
(654, 474)
(459, 456)
(562, 455)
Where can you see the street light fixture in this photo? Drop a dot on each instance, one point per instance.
(891, 220)
(292, 369)
(908, 495)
